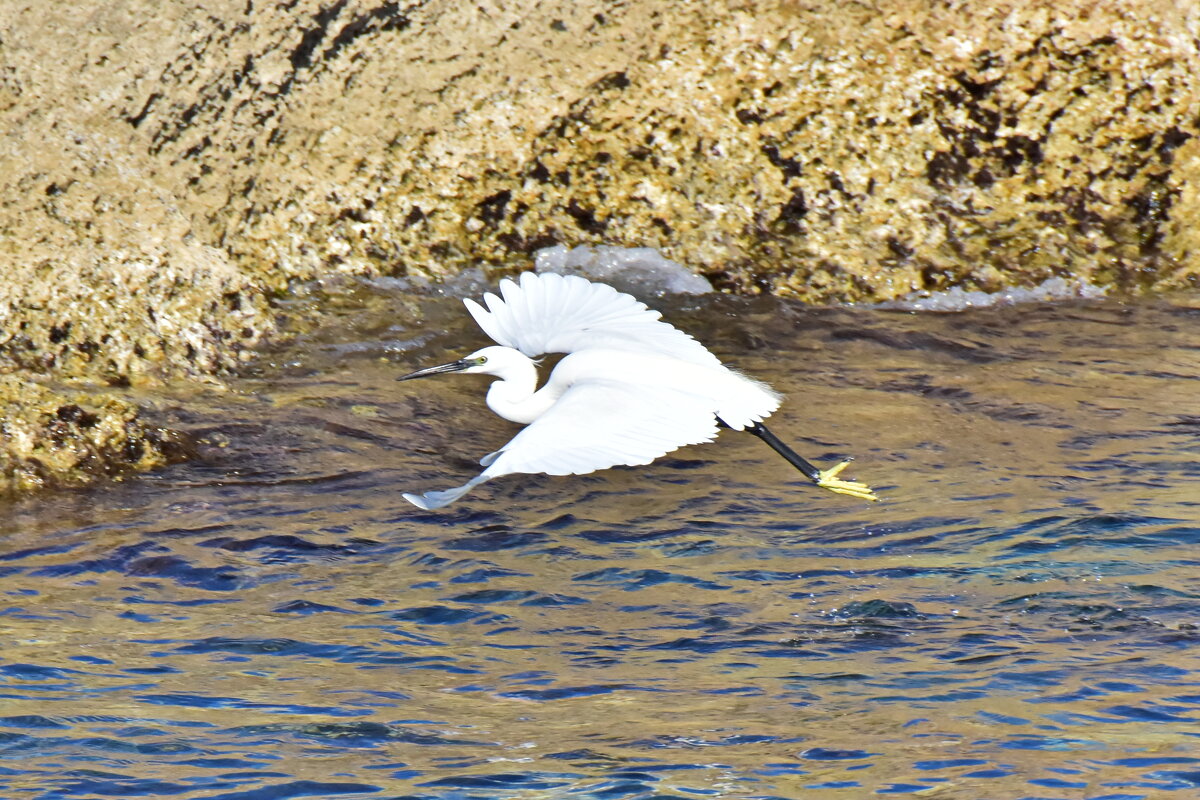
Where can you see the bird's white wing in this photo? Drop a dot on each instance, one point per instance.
(552, 313)
(601, 424)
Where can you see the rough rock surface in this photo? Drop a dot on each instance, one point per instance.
(169, 169)
(63, 438)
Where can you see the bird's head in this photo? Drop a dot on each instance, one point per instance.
(494, 360)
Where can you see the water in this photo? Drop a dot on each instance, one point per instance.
(1017, 618)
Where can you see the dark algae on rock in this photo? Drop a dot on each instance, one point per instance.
(54, 438)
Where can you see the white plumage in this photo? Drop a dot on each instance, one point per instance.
(563, 314)
(631, 389)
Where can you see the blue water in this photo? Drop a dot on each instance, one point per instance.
(1017, 619)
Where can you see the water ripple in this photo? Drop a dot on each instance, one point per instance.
(1016, 618)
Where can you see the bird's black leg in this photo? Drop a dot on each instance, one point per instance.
(826, 479)
(790, 455)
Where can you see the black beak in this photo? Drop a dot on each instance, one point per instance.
(454, 366)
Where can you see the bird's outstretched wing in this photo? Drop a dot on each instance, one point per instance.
(596, 424)
(551, 313)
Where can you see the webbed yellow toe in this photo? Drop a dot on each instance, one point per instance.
(828, 479)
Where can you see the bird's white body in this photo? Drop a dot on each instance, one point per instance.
(631, 389)
(734, 398)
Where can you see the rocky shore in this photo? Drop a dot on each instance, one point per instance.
(171, 170)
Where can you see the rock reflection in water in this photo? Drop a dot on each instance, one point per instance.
(1017, 618)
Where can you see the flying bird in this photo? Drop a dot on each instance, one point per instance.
(631, 388)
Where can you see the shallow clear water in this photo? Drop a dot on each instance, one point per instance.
(1017, 618)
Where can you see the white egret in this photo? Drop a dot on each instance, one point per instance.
(631, 389)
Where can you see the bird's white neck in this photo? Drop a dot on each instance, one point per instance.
(512, 394)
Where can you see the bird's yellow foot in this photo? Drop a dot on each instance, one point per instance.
(828, 479)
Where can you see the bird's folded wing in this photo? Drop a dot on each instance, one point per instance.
(552, 313)
(601, 424)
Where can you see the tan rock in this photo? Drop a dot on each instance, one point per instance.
(169, 168)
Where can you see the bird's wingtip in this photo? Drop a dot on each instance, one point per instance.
(432, 500)
(417, 500)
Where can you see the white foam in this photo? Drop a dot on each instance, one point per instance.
(958, 299)
(639, 271)
(467, 283)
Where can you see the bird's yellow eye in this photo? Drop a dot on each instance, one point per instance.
(481, 360)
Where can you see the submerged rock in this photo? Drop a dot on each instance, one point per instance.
(877, 608)
(52, 438)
